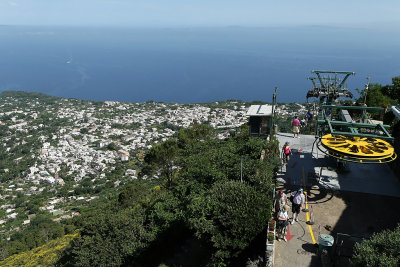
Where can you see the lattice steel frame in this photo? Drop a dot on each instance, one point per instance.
(324, 122)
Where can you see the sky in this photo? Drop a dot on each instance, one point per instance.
(185, 13)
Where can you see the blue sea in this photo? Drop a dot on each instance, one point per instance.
(190, 64)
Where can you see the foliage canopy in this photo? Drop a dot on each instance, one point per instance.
(382, 249)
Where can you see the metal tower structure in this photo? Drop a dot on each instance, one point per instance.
(329, 85)
(338, 133)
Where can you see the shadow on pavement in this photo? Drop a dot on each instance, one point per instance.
(350, 203)
(310, 248)
(362, 217)
(370, 193)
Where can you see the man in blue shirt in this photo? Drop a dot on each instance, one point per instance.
(309, 115)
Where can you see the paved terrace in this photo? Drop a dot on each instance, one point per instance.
(364, 178)
(349, 202)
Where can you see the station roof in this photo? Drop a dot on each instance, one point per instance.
(260, 110)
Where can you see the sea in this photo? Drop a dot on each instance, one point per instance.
(191, 64)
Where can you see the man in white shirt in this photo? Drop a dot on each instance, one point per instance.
(298, 202)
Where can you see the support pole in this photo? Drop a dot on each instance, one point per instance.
(272, 122)
(241, 169)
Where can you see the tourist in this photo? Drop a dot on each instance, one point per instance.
(309, 115)
(296, 127)
(303, 122)
(297, 203)
(280, 201)
(286, 152)
(282, 223)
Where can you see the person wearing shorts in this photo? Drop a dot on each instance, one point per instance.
(296, 127)
(297, 203)
(286, 152)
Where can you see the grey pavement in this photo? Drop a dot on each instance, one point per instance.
(298, 251)
(377, 179)
(364, 178)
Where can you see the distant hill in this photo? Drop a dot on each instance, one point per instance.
(23, 94)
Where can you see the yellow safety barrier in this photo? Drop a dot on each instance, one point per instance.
(309, 226)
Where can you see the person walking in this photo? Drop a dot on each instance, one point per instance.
(280, 201)
(283, 221)
(296, 127)
(286, 152)
(297, 203)
(303, 122)
(309, 115)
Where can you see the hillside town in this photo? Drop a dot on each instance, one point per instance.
(62, 147)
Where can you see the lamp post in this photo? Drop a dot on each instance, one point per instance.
(364, 114)
(366, 91)
(241, 169)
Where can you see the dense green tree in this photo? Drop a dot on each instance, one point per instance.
(375, 96)
(203, 191)
(203, 167)
(165, 209)
(113, 235)
(84, 130)
(133, 194)
(382, 96)
(382, 249)
(108, 238)
(220, 160)
(41, 230)
(229, 215)
(162, 158)
(112, 146)
(194, 134)
(393, 91)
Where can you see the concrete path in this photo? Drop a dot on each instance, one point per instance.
(349, 202)
(365, 178)
(299, 250)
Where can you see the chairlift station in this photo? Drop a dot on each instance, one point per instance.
(344, 138)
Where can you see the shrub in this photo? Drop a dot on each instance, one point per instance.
(231, 215)
(382, 249)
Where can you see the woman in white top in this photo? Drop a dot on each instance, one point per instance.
(283, 218)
